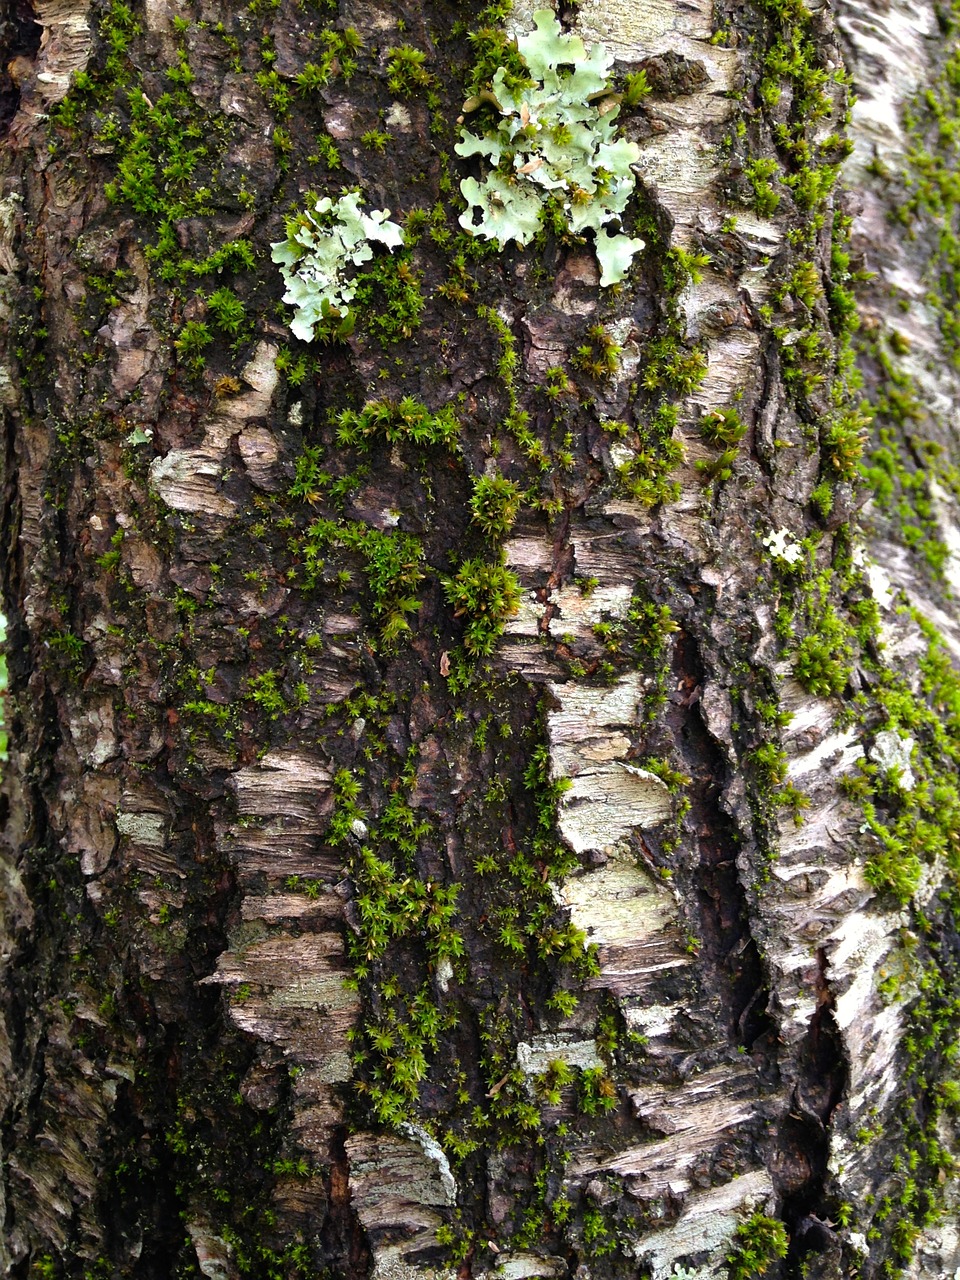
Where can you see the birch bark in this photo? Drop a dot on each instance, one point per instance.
(624, 949)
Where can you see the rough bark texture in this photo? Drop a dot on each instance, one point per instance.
(332, 948)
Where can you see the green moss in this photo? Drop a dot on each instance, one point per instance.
(407, 73)
(902, 462)
(494, 504)
(599, 356)
(766, 199)
(492, 49)
(722, 427)
(389, 299)
(757, 1244)
(195, 337)
(404, 422)
(487, 595)
(635, 88)
(596, 1092)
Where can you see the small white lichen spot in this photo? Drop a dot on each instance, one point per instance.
(783, 547)
(322, 244)
(890, 751)
(559, 137)
(444, 973)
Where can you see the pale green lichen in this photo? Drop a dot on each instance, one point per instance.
(556, 141)
(322, 244)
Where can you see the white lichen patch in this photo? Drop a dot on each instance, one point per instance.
(323, 243)
(783, 546)
(558, 137)
(892, 752)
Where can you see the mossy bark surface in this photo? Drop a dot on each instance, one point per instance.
(481, 797)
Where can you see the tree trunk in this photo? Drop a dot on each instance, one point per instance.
(481, 797)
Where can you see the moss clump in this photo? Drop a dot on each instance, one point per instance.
(406, 421)
(494, 504)
(488, 595)
(757, 1243)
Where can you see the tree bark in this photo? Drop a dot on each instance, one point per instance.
(358, 918)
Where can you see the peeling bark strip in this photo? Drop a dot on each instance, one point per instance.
(477, 805)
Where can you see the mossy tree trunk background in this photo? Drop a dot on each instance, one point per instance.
(406, 877)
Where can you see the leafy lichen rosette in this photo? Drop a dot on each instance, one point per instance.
(322, 244)
(556, 139)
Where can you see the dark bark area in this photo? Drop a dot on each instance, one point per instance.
(396, 889)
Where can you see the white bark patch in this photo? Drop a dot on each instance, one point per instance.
(187, 480)
(297, 972)
(525, 1266)
(260, 373)
(682, 166)
(577, 613)
(945, 509)
(214, 1255)
(633, 920)
(881, 587)
(818, 900)
(287, 986)
(572, 611)
(733, 358)
(295, 781)
(65, 45)
(695, 1118)
(94, 733)
(260, 452)
(904, 642)
(526, 621)
(893, 43)
(588, 738)
(707, 1225)
(534, 1058)
(148, 829)
(858, 951)
(396, 1190)
(433, 1151)
(708, 1104)
(619, 903)
(129, 331)
(840, 750)
(650, 1020)
(655, 26)
(606, 803)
